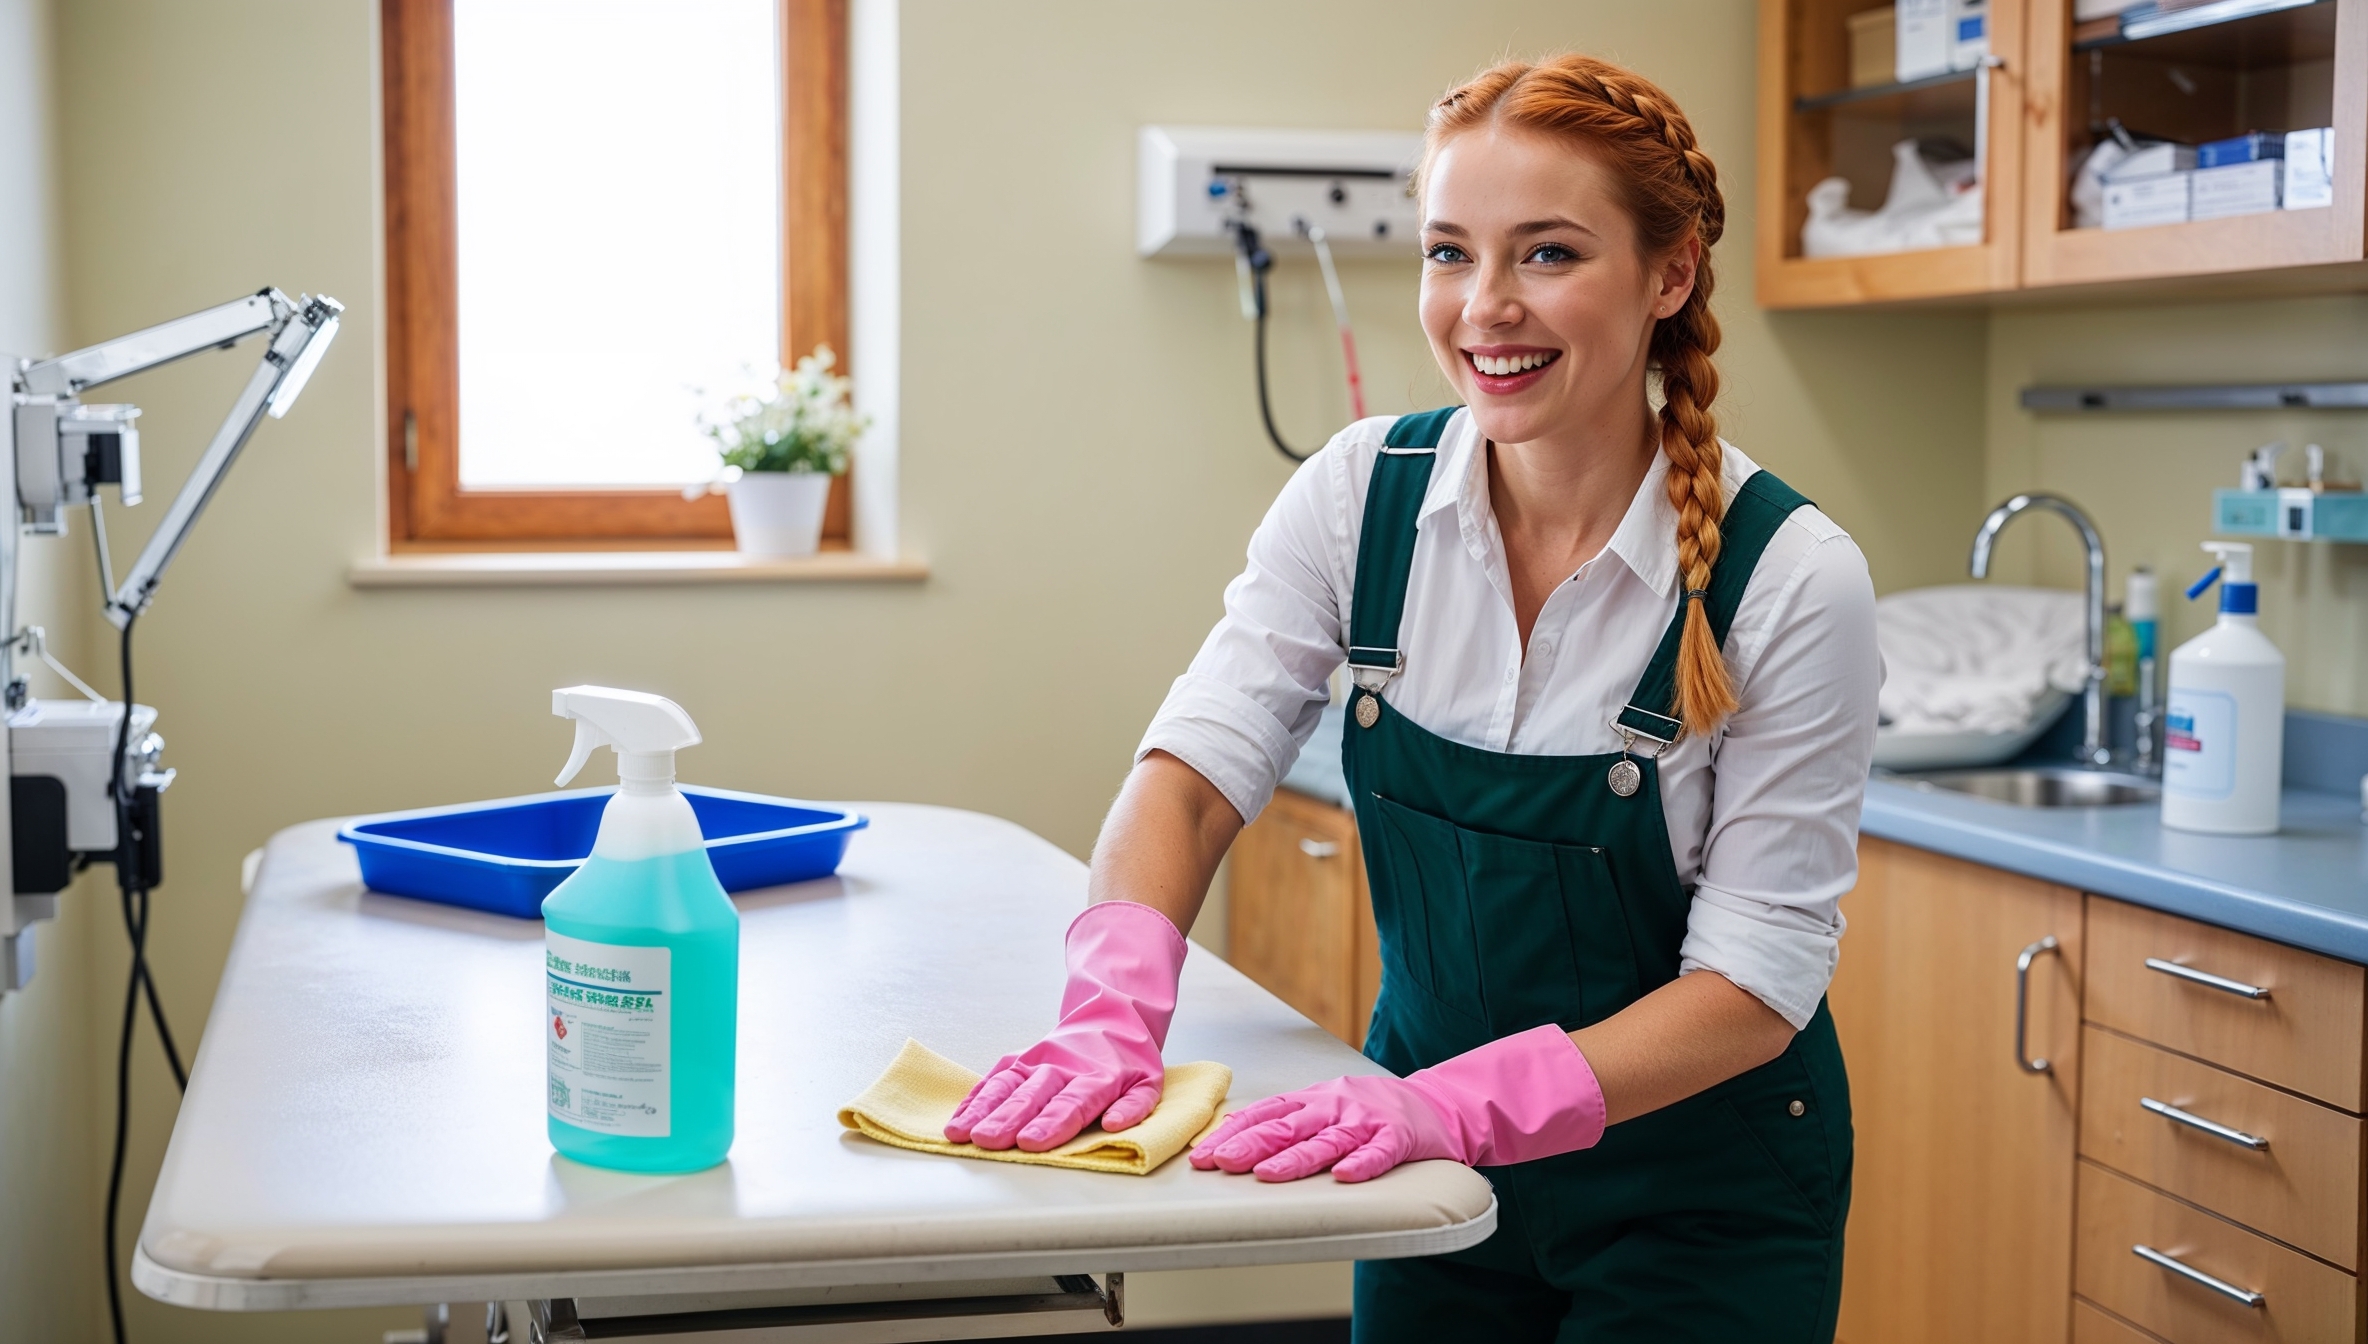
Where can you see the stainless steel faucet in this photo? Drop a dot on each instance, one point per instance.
(2093, 751)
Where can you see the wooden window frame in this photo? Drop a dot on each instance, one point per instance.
(427, 509)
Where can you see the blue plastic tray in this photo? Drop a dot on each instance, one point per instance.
(507, 854)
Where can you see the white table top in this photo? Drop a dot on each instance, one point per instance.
(365, 1123)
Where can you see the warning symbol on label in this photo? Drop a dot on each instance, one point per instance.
(559, 1026)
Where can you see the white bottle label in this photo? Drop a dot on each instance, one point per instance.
(2199, 744)
(609, 1033)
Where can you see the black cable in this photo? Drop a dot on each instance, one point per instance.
(1260, 261)
(129, 877)
(131, 882)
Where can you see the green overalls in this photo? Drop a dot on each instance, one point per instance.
(1512, 891)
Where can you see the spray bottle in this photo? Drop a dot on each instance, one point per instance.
(2224, 720)
(642, 958)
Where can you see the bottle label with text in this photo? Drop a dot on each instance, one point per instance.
(608, 1029)
(2199, 744)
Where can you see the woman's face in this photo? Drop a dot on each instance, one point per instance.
(1536, 297)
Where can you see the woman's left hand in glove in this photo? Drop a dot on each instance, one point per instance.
(1524, 1097)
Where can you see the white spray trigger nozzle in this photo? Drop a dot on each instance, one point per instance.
(645, 729)
(588, 738)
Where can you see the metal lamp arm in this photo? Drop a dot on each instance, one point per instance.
(301, 338)
(223, 325)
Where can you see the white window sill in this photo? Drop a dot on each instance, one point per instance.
(588, 569)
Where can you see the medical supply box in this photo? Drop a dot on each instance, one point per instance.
(507, 854)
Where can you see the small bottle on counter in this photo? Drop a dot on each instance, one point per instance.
(2138, 606)
(2225, 717)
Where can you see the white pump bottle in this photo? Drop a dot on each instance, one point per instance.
(2224, 718)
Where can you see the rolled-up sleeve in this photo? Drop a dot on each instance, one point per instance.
(1259, 684)
(1791, 769)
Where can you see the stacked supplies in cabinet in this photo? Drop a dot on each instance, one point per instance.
(2241, 175)
(2144, 185)
(2139, 185)
(2309, 169)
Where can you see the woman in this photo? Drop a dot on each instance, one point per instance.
(1613, 709)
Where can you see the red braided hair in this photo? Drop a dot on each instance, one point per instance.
(1670, 188)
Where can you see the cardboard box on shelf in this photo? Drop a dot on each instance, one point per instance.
(2240, 149)
(2235, 189)
(2142, 201)
(1969, 33)
(1874, 47)
(1924, 38)
(2152, 159)
(2309, 169)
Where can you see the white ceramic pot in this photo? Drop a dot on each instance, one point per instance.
(778, 512)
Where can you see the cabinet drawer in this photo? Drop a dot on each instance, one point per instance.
(2303, 1034)
(2302, 1300)
(2091, 1325)
(2303, 1187)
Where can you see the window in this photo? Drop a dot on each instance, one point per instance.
(602, 216)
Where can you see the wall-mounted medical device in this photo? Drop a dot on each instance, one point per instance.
(2313, 511)
(1193, 183)
(78, 775)
(1205, 191)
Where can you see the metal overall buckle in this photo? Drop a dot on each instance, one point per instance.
(1626, 776)
(1370, 678)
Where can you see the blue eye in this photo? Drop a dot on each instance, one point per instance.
(1554, 254)
(1444, 252)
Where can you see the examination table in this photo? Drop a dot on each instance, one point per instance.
(365, 1123)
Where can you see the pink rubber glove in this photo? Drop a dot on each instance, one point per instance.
(1102, 1061)
(1527, 1096)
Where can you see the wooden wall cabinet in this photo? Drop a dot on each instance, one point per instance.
(1299, 916)
(2060, 87)
(1961, 1207)
(1813, 125)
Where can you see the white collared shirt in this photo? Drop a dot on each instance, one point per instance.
(1762, 814)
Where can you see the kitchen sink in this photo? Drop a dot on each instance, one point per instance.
(2042, 786)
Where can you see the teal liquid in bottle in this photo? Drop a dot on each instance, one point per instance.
(641, 967)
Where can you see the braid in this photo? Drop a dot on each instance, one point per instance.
(1682, 346)
(1672, 191)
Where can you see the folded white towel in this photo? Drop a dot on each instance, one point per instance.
(1976, 657)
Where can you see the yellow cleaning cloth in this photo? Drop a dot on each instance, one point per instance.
(909, 1105)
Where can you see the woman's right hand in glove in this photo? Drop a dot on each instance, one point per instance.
(1102, 1061)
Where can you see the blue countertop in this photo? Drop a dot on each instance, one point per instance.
(2306, 885)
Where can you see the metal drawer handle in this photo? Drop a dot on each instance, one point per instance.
(1318, 849)
(2220, 1286)
(2022, 1004)
(2206, 978)
(2218, 1131)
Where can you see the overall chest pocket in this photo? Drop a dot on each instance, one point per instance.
(1513, 933)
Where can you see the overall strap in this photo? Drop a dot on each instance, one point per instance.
(1753, 516)
(1385, 548)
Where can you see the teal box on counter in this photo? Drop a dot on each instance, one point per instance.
(2297, 514)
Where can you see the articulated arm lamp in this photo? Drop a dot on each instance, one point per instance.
(64, 448)
(57, 800)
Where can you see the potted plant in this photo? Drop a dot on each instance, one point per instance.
(780, 451)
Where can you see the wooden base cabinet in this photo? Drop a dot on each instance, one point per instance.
(1299, 918)
(2220, 1133)
(1961, 1210)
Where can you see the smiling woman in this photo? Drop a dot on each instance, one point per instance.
(1613, 706)
(603, 216)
